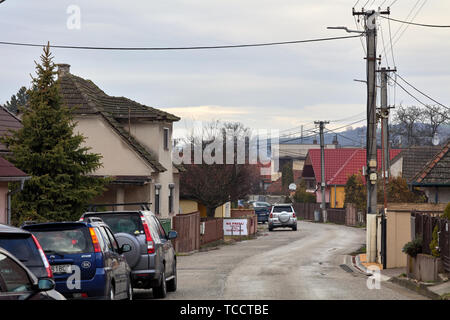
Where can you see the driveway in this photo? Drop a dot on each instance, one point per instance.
(306, 264)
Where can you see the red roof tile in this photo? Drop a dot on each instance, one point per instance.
(342, 163)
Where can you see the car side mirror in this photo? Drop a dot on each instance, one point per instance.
(125, 248)
(45, 285)
(172, 235)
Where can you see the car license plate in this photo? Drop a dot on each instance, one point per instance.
(62, 268)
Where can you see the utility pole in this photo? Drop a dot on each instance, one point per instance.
(322, 168)
(371, 142)
(384, 115)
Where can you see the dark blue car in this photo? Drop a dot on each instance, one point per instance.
(86, 259)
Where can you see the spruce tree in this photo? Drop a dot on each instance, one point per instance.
(48, 149)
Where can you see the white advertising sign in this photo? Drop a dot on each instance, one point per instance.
(235, 227)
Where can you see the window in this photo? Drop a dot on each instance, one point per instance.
(68, 241)
(13, 278)
(109, 246)
(166, 138)
(157, 199)
(161, 231)
(171, 187)
(112, 239)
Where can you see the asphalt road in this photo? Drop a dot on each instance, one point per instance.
(306, 264)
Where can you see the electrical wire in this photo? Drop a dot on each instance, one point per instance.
(393, 3)
(425, 105)
(407, 26)
(341, 135)
(177, 48)
(422, 92)
(417, 24)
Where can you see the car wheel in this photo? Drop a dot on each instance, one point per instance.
(270, 228)
(160, 292)
(294, 228)
(172, 284)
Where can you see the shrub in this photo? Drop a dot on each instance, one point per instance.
(447, 211)
(434, 245)
(413, 248)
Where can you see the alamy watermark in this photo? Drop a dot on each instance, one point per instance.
(74, 19)
(260, 147)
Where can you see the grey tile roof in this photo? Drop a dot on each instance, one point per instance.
(415, 158)
(86, 98)
(7, 122)
(437, 170)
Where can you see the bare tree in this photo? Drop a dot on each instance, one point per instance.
(435, 117)
(407, 126)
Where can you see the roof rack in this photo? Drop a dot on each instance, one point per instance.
(93, 219)
(27, 223)
(144, 205)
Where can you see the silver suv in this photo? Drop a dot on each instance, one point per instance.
(282, 215)
(152, 256)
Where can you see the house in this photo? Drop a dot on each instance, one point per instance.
(294, 152)
(410, 161)
(434, 177)
(8, 122)
(339, 165)
(8, 173)
(189, 205)
(135, 142)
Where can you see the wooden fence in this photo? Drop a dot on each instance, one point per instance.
(213, 230)
(188, 228)
(306, 210)
(424, 226)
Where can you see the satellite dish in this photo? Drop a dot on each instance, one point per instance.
(292, 187)
(436, 140)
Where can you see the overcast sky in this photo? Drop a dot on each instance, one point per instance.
(264, 87)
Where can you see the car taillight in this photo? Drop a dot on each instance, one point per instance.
(95, 240)
(81, 219)
(44, 257)
(148, 237)
(271, 215)
(293, 214)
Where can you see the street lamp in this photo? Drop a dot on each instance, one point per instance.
(346, 29)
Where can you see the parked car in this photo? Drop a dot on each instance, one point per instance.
(17, 282)
(152, 256)
(25, 247)
(262, 210)
(282, 215)
(88, 251)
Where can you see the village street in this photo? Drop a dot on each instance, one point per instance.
(283, 264)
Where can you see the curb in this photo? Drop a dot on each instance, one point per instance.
(417, 287)
(360, 267)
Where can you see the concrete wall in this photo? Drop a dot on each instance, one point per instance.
(3, 202)
(118, 157)
(396, 168)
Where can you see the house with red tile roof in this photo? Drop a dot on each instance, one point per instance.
(340, 164)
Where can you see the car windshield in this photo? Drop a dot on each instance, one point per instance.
(261, 204)
(65, 241)
(282, 208)
(130, 223)
(23, 248)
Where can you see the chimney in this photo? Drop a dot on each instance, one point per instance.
(63, 69)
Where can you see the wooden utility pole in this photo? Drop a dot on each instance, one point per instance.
(371, 142)
(322, 168)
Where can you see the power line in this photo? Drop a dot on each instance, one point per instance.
(418, 24)
(422, 92)
(341, 135)
(177, 48)
(407, 26)
(425, 105)
(393, 3)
